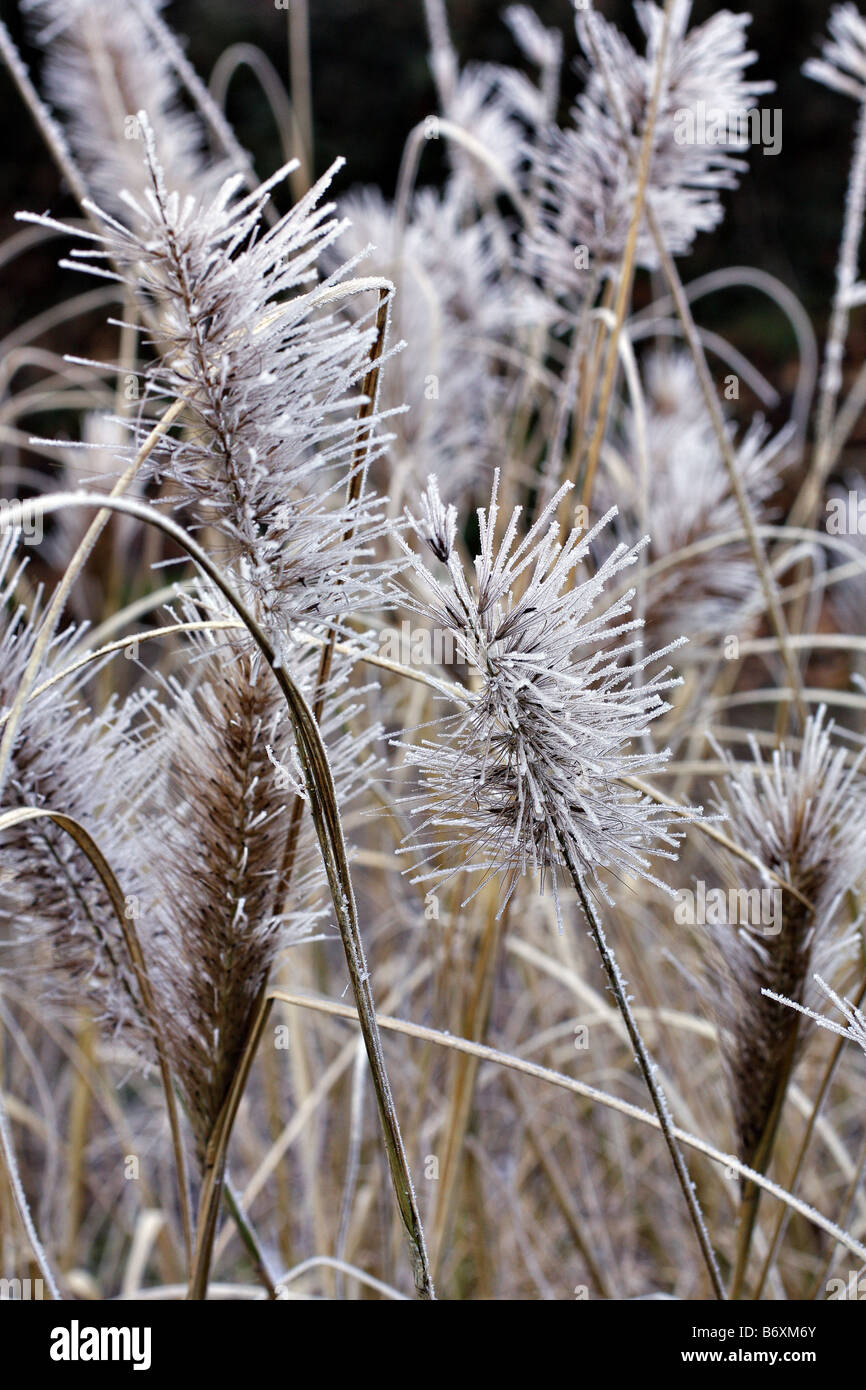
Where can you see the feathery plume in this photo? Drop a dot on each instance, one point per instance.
(455, 318)
(102, 66)
(219, 776)
(591, 168)
(269, 375)
(499, 106)
(57, 918)
(528, 773)
(802, 816)
(843, 65)
(690, 497)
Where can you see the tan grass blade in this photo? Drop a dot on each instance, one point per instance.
(89, 847)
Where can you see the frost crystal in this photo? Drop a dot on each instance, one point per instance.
(843, 66)
(855, 1029)
(528, 773)
(269, 370)
(592, 167)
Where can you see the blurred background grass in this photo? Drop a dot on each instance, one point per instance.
(372, 84)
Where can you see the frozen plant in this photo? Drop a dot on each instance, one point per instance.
(529, 773)
(103, 64)
(801, 815)
(592, 168)
(689, 498)
(855, 1020)
(532, 771)
(251, 343)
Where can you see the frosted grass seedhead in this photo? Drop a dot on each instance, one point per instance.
(254, 343)
(843, 64)
(59, 926)
(801, 814)
(795, 811)
(527, 774)
(592, 167)
(454, 317)
(219, 779)
(102, 65)
(689, 497)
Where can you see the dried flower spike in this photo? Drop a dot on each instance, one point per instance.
(802, 817)
(591, 168)
(528, 773)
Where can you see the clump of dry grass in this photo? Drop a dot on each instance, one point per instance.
(419, 632)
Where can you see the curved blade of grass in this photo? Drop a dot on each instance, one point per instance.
(88, 846)
(592, 1093)
(329, 831)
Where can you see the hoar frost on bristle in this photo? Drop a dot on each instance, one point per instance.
(271, 382)
(801, 815)
(528, 772)
(590, 168)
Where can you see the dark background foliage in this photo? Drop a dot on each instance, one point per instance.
(372, 84)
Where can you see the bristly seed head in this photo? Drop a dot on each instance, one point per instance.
(802, 816)
(528, 773)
